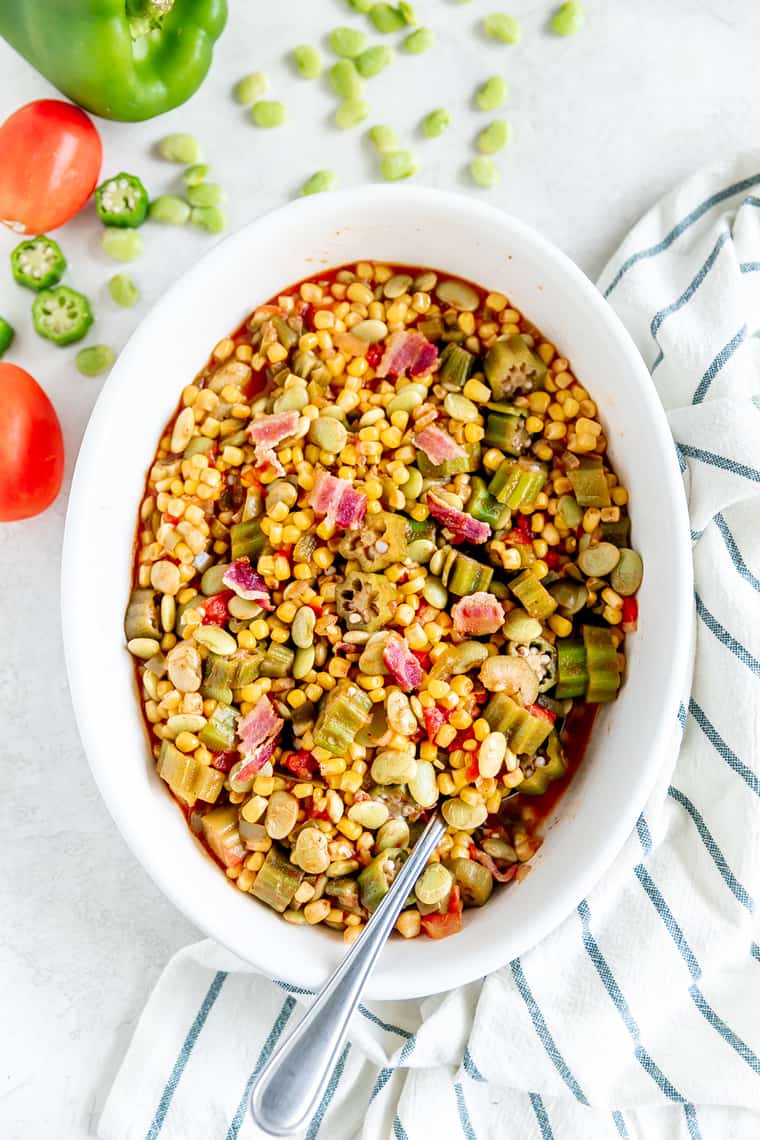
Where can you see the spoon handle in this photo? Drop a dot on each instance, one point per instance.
(293, 1079)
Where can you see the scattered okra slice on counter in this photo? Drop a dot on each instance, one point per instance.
(251, 87)
(347, 42)
(436, 122)
(95, 359)
(38, 263)
(269, 113)
(418, 41)
(398, 164)
(386, 18)
(320, 181)
(180, 148)
(123, 290)
(350, 113)
(7, 334)
(345, 80)
(170, 210)
(494, 137)
(372, 61)
(503, 27)
(307, 61)
(568, 19)
(122, 245)
(61, 315)
(122, 201)
(484, 172)
(384, 139)
(491, 94)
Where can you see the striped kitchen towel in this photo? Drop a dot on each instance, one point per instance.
(639, 1017)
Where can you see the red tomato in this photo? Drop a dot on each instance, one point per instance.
(31, 446)
(215, 608)
(51, 161)
(442, 925)
(630, 611)
(302, 764)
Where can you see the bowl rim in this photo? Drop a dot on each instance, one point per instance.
(605, 849)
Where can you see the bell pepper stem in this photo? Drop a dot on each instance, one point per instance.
(145, 16)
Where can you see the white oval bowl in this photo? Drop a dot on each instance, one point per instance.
(408, 226)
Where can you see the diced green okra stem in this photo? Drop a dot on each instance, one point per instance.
(533, 596)
(278, 661)
(268, 113)
(141, 618)
(517, 482)
(572, 676)
(195, 174)
(507, 433)
(554, 769)
(251, 87)
(277, 881)
(347, 42)
(491, 94)
(397, 165)
(345, 80)
(350, 113)
(169, 210)
(344, 711)
(307, 61)
(218, 677)
(618, 532)
(456, 364)
(218, 734)
(384, 139)
(206, 194)
(568, 19)
(590, 483)
(436, 122)
(320, 181)
(95, 360)
(418, 41)
(246, 540)
(503, 27)
(494, 137)
(208, 218)
(386, 18)
(484, 172)
(180, 148)
(484, 507)
(601, 663)
(372, 61)
(375, 879)
(466, 576)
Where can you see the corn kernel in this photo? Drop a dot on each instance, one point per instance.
(446, 785)
(561, 626)
(476, 390)
(445, 736)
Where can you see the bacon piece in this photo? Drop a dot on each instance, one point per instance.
(243, 580)
(338, 500)
(258, 725)
(459, 521)
(438, 445)
(479, 613)
(484, 858)
(256, 759)
(407, 351)
(266, 433)
(402, 664)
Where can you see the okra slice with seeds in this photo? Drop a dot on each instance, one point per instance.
(61, 315)
(122, 201)
(38, 263)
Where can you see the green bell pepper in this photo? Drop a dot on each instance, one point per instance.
(122, 59)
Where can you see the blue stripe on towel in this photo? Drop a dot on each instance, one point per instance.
(749, 267)
(543, 1033)
(722, 748)
(755, 951)
(645, 838)
(720, 461)
(727, 638)
(620, 1125)
(718, 1024)
(690, 1113)
(733, 884)
(464, 1116)
(742, 568)
(399, 1132)
(618, 1000)
(541, 1117)
(329, 1093)
(472, 1070)
(660, 317)
(692, 217)
(184, 1054)
(266, 1052)
(385, 1074)
(720, 360)
(370, 1016)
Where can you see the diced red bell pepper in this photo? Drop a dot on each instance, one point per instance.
(630, 611)
(215, 610)
(516, 537)
(423, 657)
(435, 718)
(472, 771)
(311, 811)
(225, 761)
(541, 713)
(301, 764)
(442, 925)
(307, 315)
(553, 559)
(374, 355)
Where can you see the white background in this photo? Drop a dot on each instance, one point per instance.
(603, 124)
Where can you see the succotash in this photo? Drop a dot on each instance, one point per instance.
(383, 567)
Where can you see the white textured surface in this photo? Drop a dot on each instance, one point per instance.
(603, 124)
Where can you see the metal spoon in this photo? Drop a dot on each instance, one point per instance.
(292, 1081)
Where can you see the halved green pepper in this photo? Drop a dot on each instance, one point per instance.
(553, 769)
(38, 263)
(122, 59)
(122, 201)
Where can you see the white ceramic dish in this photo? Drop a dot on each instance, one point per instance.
(411, 226)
